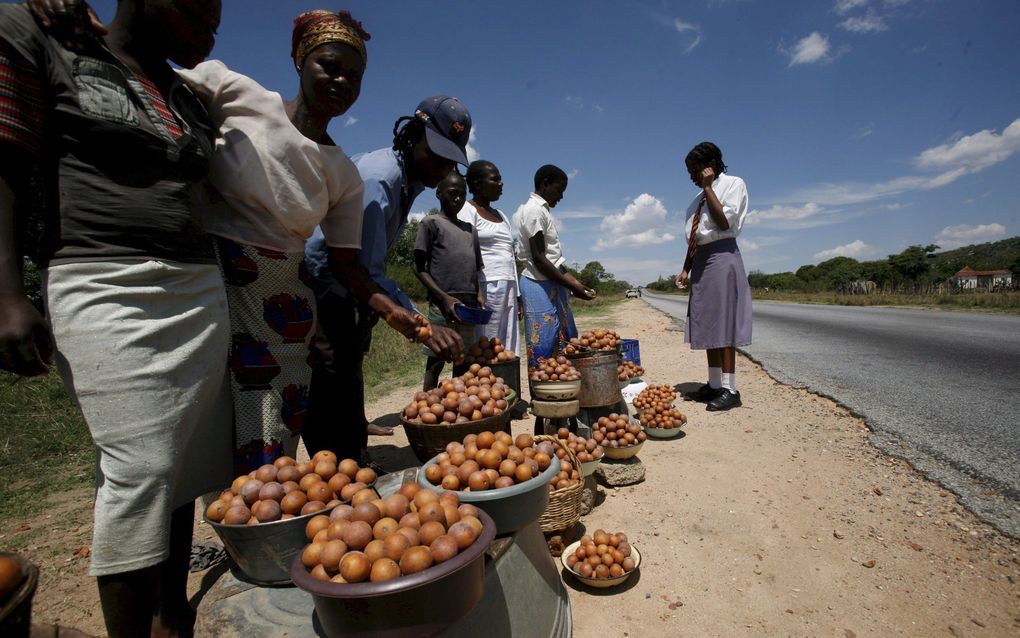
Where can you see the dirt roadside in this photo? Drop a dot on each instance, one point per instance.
(777, 518)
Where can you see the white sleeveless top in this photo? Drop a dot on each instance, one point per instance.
(497, 243)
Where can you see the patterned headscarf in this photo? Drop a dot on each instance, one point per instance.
(315, 28)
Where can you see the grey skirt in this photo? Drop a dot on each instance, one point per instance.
(719, 307)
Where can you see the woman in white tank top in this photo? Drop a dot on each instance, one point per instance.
(496, 239)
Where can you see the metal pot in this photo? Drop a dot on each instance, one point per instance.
(600, 384)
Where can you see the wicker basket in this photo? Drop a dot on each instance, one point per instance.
(564, 507)
(429, 440)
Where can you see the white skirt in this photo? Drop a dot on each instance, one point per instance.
(142, 346)
(501, 296)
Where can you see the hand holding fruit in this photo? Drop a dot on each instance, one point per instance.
(446, 343)
(405, 322)
(681, 280)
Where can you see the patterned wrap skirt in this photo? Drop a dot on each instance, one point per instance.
(719, 307)
(272, 322)
(548, 322)
(141, 346)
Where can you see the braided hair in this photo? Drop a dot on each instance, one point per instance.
(407, 131)
(706, 154)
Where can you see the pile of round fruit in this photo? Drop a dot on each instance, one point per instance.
(628, 370)
(487, 461)
(476, 394)
(379, 539)
(616, 430)
(665, 419)
(598, 339)
(488, 351)
(568, 474)
(655, 397)
(585, 449)
(602, 555)
(553, 369)
(286, 488)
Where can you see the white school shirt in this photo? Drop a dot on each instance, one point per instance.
(271, 185)
(496, 240)
(531, 218)
(732, 194)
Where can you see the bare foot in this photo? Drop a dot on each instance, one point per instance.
(378, 430)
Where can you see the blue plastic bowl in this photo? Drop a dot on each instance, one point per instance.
(468, 313)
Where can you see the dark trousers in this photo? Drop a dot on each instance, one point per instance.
(336, 419)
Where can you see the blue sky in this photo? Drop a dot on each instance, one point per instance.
(860, 126)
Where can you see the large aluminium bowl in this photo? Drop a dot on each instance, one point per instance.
(264, 552)
(512, 508)
(555, 390)
(419, 604)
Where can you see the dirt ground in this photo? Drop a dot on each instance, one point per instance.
(777, 518)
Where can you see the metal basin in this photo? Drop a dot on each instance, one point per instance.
(555, 390)
(512, 508)
(419, 604)
(265, 551)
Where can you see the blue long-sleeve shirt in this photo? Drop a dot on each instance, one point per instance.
(387, 201)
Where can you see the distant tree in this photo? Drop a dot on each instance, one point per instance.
(913, 263)
(663, 284)
(402, 251)
(836, 273)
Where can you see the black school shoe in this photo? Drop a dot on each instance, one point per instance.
(703, 394)
(724, 401)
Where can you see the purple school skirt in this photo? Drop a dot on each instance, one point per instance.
(719, 310)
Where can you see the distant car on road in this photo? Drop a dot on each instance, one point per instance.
(634, 293)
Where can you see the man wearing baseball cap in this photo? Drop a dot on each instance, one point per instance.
(426, 147)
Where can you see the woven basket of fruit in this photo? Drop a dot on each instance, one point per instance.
(564, 508)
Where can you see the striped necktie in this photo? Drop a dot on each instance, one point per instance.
(692, 241)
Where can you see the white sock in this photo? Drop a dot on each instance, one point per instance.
(715, 378)
(729, 381)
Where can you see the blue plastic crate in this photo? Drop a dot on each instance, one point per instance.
(630, 351)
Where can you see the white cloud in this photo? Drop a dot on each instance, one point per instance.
(804, 216)
(829, 194)
(854, 249)
(893, 206)
(416, 216)
(472, 152)
(689, 29)
(844, 6)
(810, 49)
(350, 121)
(642, 223)
(572, 173)
(869, 23)
(965, 234)
(973, 152)
(864, 131)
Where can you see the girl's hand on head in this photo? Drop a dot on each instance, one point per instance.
(707, 176)
(68, 21)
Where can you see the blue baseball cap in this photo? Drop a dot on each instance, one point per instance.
(447, 126)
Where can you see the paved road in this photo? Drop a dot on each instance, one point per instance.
(941, 388)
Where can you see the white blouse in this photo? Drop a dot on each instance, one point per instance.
(732, 194)
(531, 218)
(497, 243)
(272, 185)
